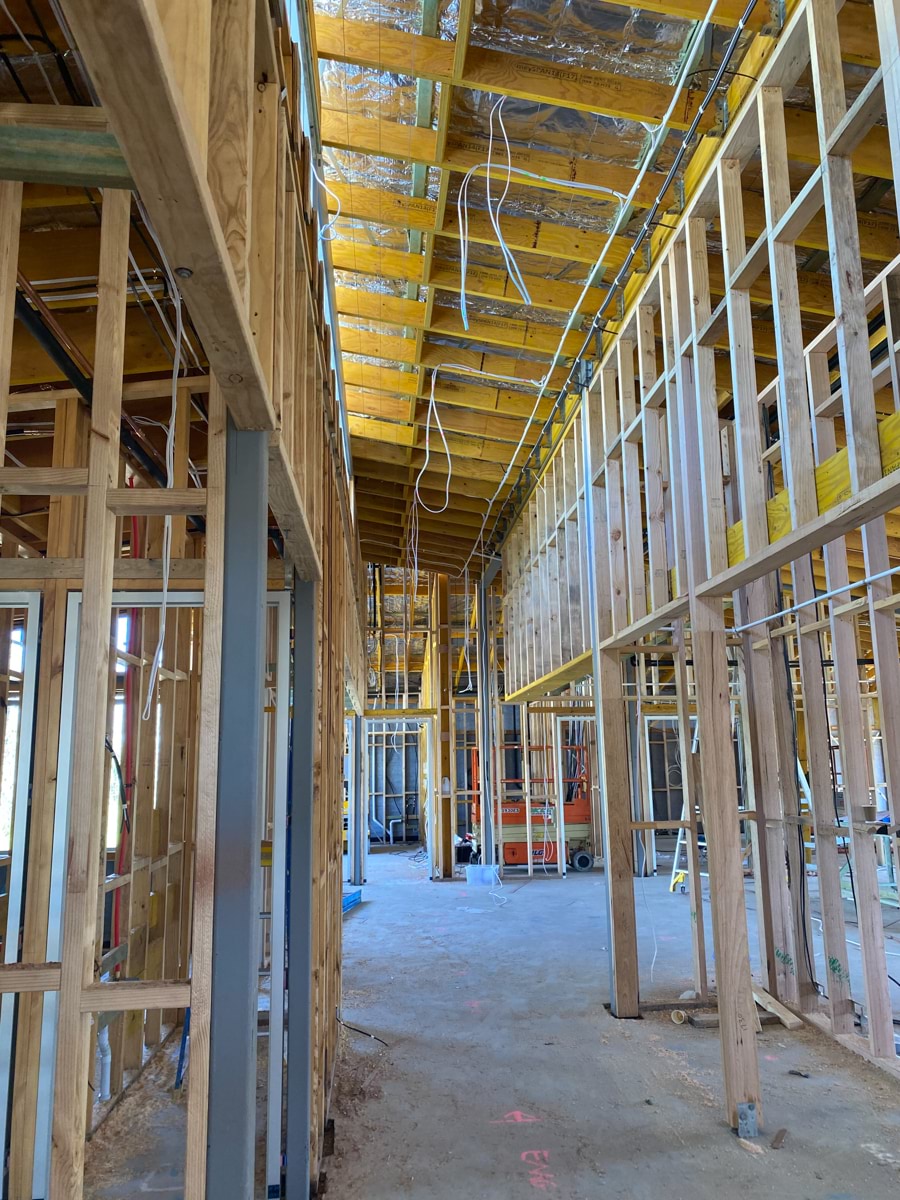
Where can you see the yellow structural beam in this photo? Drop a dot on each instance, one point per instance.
(410, 143)
(493, 331)
(504, 74)
(486, 282)
(548, 240)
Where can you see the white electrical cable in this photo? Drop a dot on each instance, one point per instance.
(326, 233)
(156, 662)
(192, 470)
(509, 258)
(34, 54)
(652, 927)
(850, 941)
(432, 415)
(161, 312)
(462, 205)
(499, 900)
(661, 133)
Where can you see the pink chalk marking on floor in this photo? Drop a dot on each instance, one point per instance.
(544, 1182)
(517, 1118)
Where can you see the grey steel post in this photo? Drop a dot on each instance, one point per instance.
(300, 848)
(231, 1147)
(485, 721)
(357, 834)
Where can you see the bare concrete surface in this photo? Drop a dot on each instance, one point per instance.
(504, 1076)
(138, 1151)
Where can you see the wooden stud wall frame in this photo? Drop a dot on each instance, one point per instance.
(692, 536)
(217, 124)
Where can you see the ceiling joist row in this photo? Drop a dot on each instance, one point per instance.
(478, 153)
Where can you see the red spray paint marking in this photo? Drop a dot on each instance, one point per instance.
(517, 1118)
(544, 1181)
(538, 1176)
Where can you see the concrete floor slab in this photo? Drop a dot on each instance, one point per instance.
(504, 1075)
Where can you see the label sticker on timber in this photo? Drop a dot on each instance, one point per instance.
(482, 275)
(517, 1118)
(413, 204)
(478, 146)
(544, 70)
(506, 324)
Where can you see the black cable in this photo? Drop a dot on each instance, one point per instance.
(364, 1032)
(123, 791)
(58, 55)
(7, 62)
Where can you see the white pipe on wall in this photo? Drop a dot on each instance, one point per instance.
(105, 1062)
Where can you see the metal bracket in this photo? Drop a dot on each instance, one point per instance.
(721, 126)
(643, 268)
(748, 1125)
(775, 23)
(679, 197)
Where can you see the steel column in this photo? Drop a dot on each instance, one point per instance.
(300, 849)
(238, 882)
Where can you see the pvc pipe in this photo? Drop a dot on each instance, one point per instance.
(391, 824)
(105, 1062)
(786, 612)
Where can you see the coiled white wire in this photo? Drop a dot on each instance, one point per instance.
(649, 157)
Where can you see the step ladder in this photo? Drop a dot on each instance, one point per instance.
(680, 872)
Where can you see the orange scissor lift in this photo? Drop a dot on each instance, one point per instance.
(528, 831)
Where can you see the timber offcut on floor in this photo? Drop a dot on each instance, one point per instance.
(449, 662)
